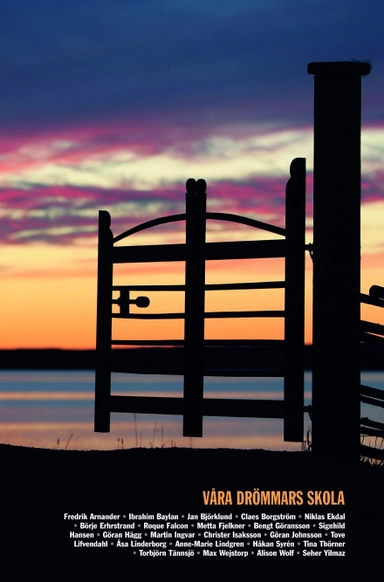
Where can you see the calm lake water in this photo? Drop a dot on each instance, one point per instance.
(54, 409)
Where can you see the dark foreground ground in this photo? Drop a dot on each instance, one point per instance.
(39, 486)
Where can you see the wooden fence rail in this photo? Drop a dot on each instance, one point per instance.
(372, 336)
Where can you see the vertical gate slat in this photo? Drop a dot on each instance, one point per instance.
(194, 308)
(294, 302)
(104, 324)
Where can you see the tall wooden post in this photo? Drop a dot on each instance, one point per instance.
(196, 200)
(336, 247)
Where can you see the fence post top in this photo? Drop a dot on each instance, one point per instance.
(198, 187)
(337, 68)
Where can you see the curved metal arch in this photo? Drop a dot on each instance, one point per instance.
(149, 224)
(209, 215)
(247, 221)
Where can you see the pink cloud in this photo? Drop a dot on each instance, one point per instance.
(59, 214)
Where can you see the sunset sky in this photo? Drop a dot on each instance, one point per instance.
(114, 105)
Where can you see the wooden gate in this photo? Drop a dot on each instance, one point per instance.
(201, 357)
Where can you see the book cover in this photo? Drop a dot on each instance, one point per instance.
(191, 240)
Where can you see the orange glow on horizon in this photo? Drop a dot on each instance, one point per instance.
(49, 296)
(39, 311)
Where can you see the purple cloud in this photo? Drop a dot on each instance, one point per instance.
(149, 77)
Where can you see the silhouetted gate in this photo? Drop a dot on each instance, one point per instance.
(282, 358)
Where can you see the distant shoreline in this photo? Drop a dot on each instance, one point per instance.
(151, 360)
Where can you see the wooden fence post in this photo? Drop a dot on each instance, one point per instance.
(336, 256)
